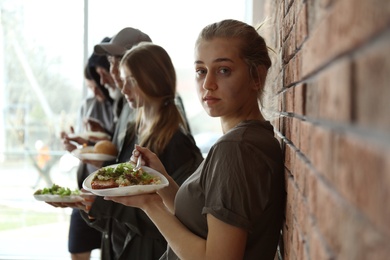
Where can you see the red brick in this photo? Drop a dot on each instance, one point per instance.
(301, 30)
(312, 182)
(288, 23)
(331, 220)
(317, 247)
(298, 66)
(299, 244)
(312, 99)
(288, 71)
(328, 95)
(289, 100)
(300, 169)
(283, 123)
(287, 127)
(338, 182)
(322, 150)
(326, 3)
(289, 157)
(345, 229)
(335, 98)
(295, 132)
(299, 99)
(288, 225)
(306, 129)
(363, 177)
(372, 79)
(335, 35)
(301, 215)
(292, 70)
(288, 49)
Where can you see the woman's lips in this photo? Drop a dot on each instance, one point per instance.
(210, 100)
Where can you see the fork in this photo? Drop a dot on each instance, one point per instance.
(138, 166)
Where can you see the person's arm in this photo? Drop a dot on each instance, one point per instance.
(151, 160)
(224, 241)
(96, 212)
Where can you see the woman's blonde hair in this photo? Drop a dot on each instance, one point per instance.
(153, 70)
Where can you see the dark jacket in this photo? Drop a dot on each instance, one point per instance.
(127, 232)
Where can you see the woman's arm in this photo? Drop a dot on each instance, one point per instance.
(224, 241)
(151, 160)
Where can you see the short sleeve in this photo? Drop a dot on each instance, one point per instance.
(236, 183)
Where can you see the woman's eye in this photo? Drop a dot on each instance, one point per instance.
(224, 71)
(200, 72)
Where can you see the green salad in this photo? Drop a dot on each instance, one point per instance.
(123, 175)
(57, 190)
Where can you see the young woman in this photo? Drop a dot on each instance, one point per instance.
(149, 87)
(232, 206)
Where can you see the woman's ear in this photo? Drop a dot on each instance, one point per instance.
(258, 75)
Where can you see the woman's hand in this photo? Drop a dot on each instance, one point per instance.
(89, 199)
(138, 201)
(94, 125)
(149, 159)
(70, 143)
(73, 205)
(165, 195)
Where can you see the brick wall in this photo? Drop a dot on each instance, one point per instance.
(329, 101)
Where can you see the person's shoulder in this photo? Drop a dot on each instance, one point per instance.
(88, 100)
(252, 129)
(248, 134)
(182, 142)
(182, 137)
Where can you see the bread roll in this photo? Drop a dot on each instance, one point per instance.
(105, 147)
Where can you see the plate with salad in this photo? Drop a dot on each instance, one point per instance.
(121, 180)
(57, 193)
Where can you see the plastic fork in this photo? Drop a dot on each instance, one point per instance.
(138, 166)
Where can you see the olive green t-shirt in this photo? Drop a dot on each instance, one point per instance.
(241, 183)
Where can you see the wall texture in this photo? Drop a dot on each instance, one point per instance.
(330, 88)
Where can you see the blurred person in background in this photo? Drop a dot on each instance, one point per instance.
(98, 108)
(124, 126)
(149, 85)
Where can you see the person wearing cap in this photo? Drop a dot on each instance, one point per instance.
(124, 119)
(100, 65)
(127, 232)
(116, 236)
(116, 48)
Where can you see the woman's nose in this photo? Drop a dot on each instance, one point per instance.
(209, 83)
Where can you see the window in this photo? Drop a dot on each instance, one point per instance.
(43, 46)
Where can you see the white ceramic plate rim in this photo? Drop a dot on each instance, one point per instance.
(88, 134)
(58, 198)
(91, 156)
(128, 190)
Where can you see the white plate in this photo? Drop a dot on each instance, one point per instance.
(128, 190)
(89, 134)
(58, 198)
(86, 153)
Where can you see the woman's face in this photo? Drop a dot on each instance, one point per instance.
(224, 85)
(91, 84)
(114, 71)
(108, 82)
(132, 92)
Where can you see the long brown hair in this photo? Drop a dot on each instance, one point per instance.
(153, 70)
